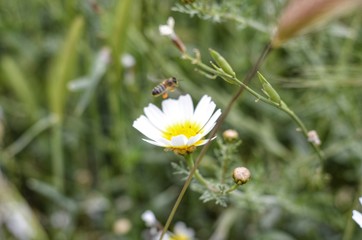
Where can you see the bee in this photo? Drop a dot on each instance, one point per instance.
(164, 87)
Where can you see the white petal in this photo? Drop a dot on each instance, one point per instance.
(204, 110)
(165, 30)
(179, 141)
(204, 141)
(357, 217)
(208, 128)
(171, 109)
(186, 107)
(194, 139)
(171, 22)
(360, 200)
(143, 125)
(157, 143)
(211, 123)
(180, 228)
(155, 116)
(149, 218)
(164, 141)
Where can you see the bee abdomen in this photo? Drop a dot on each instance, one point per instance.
(158, 90)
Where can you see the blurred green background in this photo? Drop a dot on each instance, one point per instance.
(74, 75)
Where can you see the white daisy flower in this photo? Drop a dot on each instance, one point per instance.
(167, 30)
(182, 232)
(149, 218)
(357, 216)
(178, 126)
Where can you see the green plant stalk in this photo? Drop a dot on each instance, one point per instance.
(18, 82)
(57, 156)
(190, 163)
(17, 146)
(117, 41)
(58, 77)
(350, 224)
(222, 118)
(225, 162)
(283, 107)
(232, 188)
(198, 176)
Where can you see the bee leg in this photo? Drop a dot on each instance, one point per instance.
(165, 95)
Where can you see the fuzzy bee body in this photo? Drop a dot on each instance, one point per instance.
(164, 87)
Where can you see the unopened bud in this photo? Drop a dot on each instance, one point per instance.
(241, 175)
(268, 89)
(302, 15)
(230, 135)
(221, 62)
(122, 226)
(149, 218)
(168, 30)
(314, 138)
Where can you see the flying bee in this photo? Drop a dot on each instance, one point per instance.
(167, 85)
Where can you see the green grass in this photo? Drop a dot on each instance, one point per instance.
(74, 156)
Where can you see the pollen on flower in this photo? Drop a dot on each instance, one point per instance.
(188, 129)
(179, 237)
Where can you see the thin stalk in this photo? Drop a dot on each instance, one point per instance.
(223, 116)
(350, 225)
(232, 188)
(225, 163)
(190, 163)
(57, 156)
(303, 129)
(281, 106)
(24, 140)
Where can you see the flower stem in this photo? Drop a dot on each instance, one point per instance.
(190, 163)
(282, 106)
(232, 188)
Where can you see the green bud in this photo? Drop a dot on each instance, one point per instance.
(221, 62)
(268, 89)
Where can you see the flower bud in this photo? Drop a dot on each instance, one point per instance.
(149, 218)
(241, 175)
(269, 90)
(230, 135)
(314, 138)
(302, 15)
(168, 30)
(221, 62)
(122, 226)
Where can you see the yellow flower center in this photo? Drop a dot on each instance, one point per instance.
(189, 129)
(179, 237)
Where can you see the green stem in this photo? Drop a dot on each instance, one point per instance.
(282, 106)
(225, 162)
(232, 188)
(57, 156)
(24, 140)
(190, 163)
(350, 225)
(303, 129)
